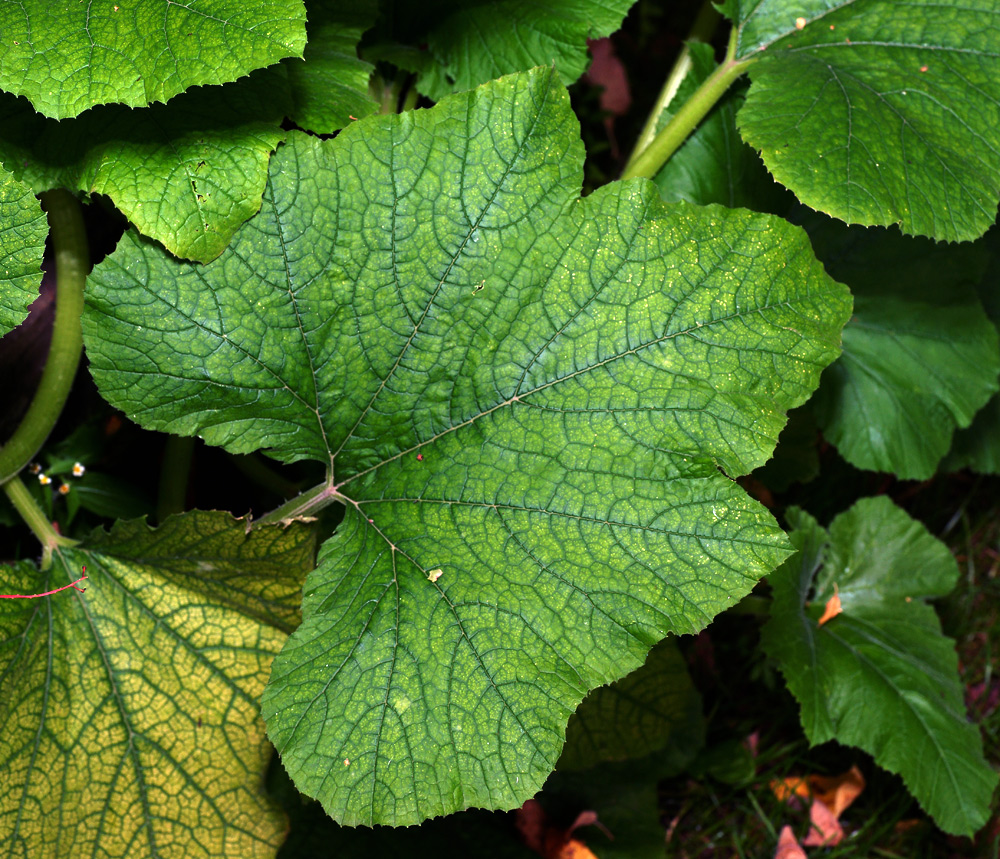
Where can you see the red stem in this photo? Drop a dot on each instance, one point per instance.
(48, 593)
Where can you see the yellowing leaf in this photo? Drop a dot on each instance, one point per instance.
(129, 713)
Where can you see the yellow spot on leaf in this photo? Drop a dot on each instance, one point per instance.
(800, 23)
(434, 575)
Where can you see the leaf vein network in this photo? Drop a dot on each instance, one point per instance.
(416, 328)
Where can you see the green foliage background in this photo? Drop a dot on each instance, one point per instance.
(531, 407)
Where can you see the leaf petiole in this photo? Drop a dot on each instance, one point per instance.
(306, 504)
(648, 161)
(69, 238)
(701, 31)
(35, 517)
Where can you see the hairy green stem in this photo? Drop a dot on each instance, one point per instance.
(34, 516)
(701, 31)
(675, 132)
(69, 239)
(308, 503)
(174, 473)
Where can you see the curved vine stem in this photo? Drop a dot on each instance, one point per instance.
(69, 239)
(649, 161)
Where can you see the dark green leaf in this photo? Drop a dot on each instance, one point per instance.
(187, 173)
(477, 40)
(109, 496)
(877, 113)
(920, 355)
(796, 458)
(331, 87)
(653, 708)
(978, 446)
(714, 165)
(881, 676)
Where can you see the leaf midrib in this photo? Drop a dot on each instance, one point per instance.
(451, 263)
(590, 367)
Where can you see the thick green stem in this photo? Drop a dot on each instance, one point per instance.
(308, 503)
(411, 99)
(174, 473)
(69, 239)
(35, 517)
(253, 467)
(675, 132)
(701, 31)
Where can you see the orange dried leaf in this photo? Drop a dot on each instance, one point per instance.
(837, 792)
(824, 830)
(833, 607)
(573, 849)
(788, 847)
(784, 789)
(550, 841)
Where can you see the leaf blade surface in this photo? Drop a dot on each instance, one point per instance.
(67, 58)
(130, 712)
(876, 115)
(23, 230)
(187, 173)
(525, 400)
(921, 357)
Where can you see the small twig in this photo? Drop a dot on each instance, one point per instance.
(48, 593)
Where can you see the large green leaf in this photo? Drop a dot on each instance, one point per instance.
(187, 173)
(129, 720)
(22, 242)
(920, 355)
(473, 42)
(880, 676)
(655, 707)
(878, 113)
(331, 87)
(978, 445)
(68, 57)
(526, 394)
